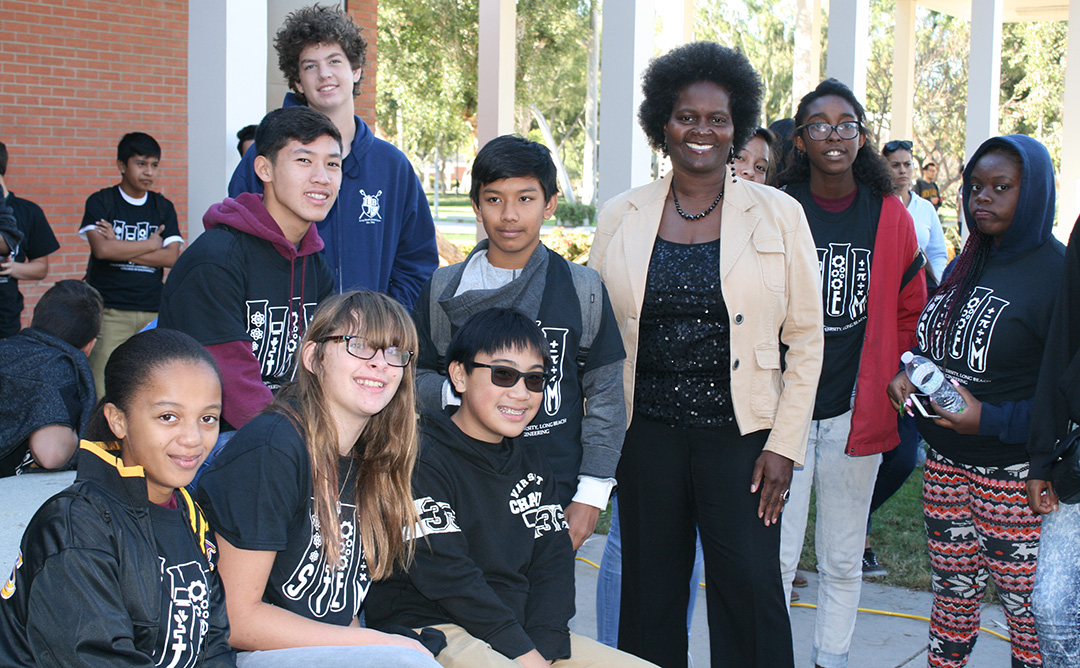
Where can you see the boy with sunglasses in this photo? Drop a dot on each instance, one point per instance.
(493, 567)
(513, 191)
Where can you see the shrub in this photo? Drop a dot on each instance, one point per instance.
(575, 215)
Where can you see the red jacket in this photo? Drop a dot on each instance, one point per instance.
(897, 297)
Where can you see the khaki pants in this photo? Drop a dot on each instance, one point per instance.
(465, 651)
(116, 327)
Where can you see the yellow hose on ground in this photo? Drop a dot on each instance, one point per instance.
(866, 610)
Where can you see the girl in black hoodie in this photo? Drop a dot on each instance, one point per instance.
(986, 328)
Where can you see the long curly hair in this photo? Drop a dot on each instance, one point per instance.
(318, 25)
(968, 268)
(869, 168)
(669, 74)
(386, 450)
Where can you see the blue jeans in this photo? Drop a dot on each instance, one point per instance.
(609, 583)
(355, 656)
(1056, 599)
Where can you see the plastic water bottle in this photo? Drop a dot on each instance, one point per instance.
(926, 376)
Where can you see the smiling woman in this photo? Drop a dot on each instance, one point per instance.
(716, 424)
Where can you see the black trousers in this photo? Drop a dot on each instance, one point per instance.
(670, 481)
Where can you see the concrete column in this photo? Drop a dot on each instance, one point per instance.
(676, 24)
(984, 73)
(625, 48)
(903, 85)
(226, 44)
(807, 71)
(849, 43)
(496, 78)
(1069, 199)
(276, 86)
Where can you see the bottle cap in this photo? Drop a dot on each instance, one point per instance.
(907, 357)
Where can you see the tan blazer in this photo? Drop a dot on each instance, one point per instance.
(770, 279)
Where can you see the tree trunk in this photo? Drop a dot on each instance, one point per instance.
(560, 168)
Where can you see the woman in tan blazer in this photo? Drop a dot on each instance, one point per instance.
(714, 282)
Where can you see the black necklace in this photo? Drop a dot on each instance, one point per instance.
(699, 216)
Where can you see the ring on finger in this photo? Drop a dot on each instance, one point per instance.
(784, 497)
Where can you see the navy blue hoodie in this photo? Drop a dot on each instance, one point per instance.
(996, 347)
(379, 234)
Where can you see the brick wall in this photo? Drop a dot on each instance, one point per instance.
(365, 13)
(75, 75)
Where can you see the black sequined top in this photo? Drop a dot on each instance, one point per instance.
(683, 374)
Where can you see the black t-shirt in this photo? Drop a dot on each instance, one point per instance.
(233, 286)
(185, 589)
(845, 244)
(928, 189)
(996, 348)
(125, 285)
(257, 495)
(38, 241)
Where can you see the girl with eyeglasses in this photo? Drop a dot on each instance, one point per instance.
(872, 289)
(311, 499)
(987, 328)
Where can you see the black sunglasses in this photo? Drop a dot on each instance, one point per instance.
(896, 145)
(505, 376)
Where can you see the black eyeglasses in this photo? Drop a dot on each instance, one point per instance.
(822, 131)
(896, 145)
(505, 376)
(361, 349)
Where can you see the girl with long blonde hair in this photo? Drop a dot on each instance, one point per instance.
(310, 500)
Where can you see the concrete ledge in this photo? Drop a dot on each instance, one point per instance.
(21, 496)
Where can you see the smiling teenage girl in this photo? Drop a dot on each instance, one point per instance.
(872, 288)
(310, 500)
(116, 570)
(987, 328)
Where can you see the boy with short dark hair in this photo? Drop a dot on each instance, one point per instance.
(494, 567)
(25, 259)
(133, 235)
(249, 285)
(380, 235)
(46, 388)
(513, 192)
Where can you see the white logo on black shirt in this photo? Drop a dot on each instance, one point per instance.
(275, 334)
(327, 589)
(127, 231)
(372, 210)
(526, 500)
(189, 614)
(845, 280)
(435, 517)
(556, 340)
(969, 340)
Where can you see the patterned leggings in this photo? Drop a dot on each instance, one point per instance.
(978, 525)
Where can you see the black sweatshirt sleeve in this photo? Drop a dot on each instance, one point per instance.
(551, 586)
(444, 572)
(429, 378)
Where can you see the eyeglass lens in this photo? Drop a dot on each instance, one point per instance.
(360, 348)
(821, 131)
(504, 376)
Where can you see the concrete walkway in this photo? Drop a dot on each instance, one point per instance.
(879, 642)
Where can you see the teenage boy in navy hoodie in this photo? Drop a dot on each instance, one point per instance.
(379, 236)
(248, 286)
(494, 567)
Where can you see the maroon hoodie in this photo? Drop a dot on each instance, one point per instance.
(247, 293)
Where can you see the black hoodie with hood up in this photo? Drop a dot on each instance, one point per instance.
(493, 553)
(996, 348)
